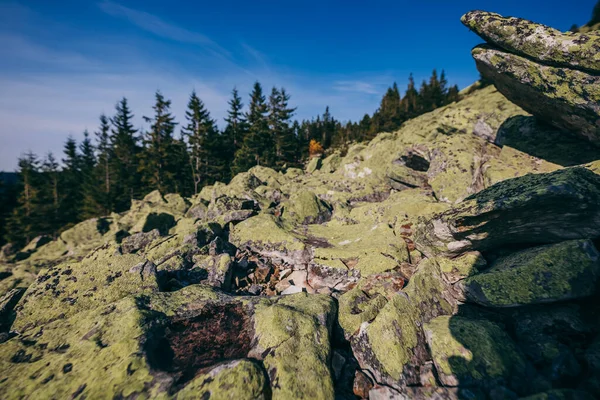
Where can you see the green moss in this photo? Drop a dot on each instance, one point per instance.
(536, 41)
(265, 230)
(241, 379)
(66, 289)
(373, 247)
(393, 336)
(466, 351)
(305, 208)
(541, 274)
(356, 307)
(95, 353)
(461, 267)
(299, 350)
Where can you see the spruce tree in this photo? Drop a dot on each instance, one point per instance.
(24, 221)
(124, 160)
(203, 141)
(71, 178)
(234, 133)
(410, 102)
(258, 147)
(103, 167)
(50, 193)
(90, 189)
(158, 158)
(280, 116)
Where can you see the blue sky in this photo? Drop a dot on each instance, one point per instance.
(64, 62)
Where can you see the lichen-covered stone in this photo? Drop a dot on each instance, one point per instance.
(537, 41)
(305, 207)
(368, 248)
(101, 278)
(266, 235)
(528, 209)
(542, 274)
(568, 99)
(239, 379)
(472, 352)
(293, 334)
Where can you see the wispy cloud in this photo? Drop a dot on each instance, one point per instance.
(356, 86)
(154, 24)
(50, 91)
(257, 57)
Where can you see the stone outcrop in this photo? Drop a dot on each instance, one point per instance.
(566, 98)
(553, 75)
(536, 41)
(529, 209)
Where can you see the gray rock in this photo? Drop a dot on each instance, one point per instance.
(541, 274)
(537, 41)
(536, 208)
(567, 99)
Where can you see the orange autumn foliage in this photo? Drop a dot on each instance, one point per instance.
(314, 147)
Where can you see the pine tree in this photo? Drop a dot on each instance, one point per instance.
(157, 161)
(234, 133)
(410, 102)
(595, 15)
(71, 178)
(24, 221)
(258, 147)
(51, 196)
(203, 143)
(103, 168)
(90, 188)
(124, 160)
(280, 116)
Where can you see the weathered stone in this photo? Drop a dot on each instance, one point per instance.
(305, 207)
(528, 209)
(265, 235)
(313, 165)
(537, 41)
(540, 332)
(473, 352)
(567, 99)
(138, 241)
(542, 274)
(101, 278)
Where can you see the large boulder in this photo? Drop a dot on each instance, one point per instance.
(541, 274)
(537, 41)
(540, 208)
(566, 98)
(474, 352)
(193, 343)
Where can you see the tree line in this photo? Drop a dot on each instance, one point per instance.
(118, 163)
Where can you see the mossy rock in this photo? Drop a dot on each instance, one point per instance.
(529, 135)
(368, 248)
(293, 333)
(313, 165)
(101, 278)
(565, 98)
(535, 208)
(543, 274)
(265, 234)
(473, 352)
(537, 41)
(305, 207)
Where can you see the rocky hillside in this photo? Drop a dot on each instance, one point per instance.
(454, 258)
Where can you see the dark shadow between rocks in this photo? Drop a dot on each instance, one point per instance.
(187, 346)
(534, 137)
(536, 353)
(163, 222)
